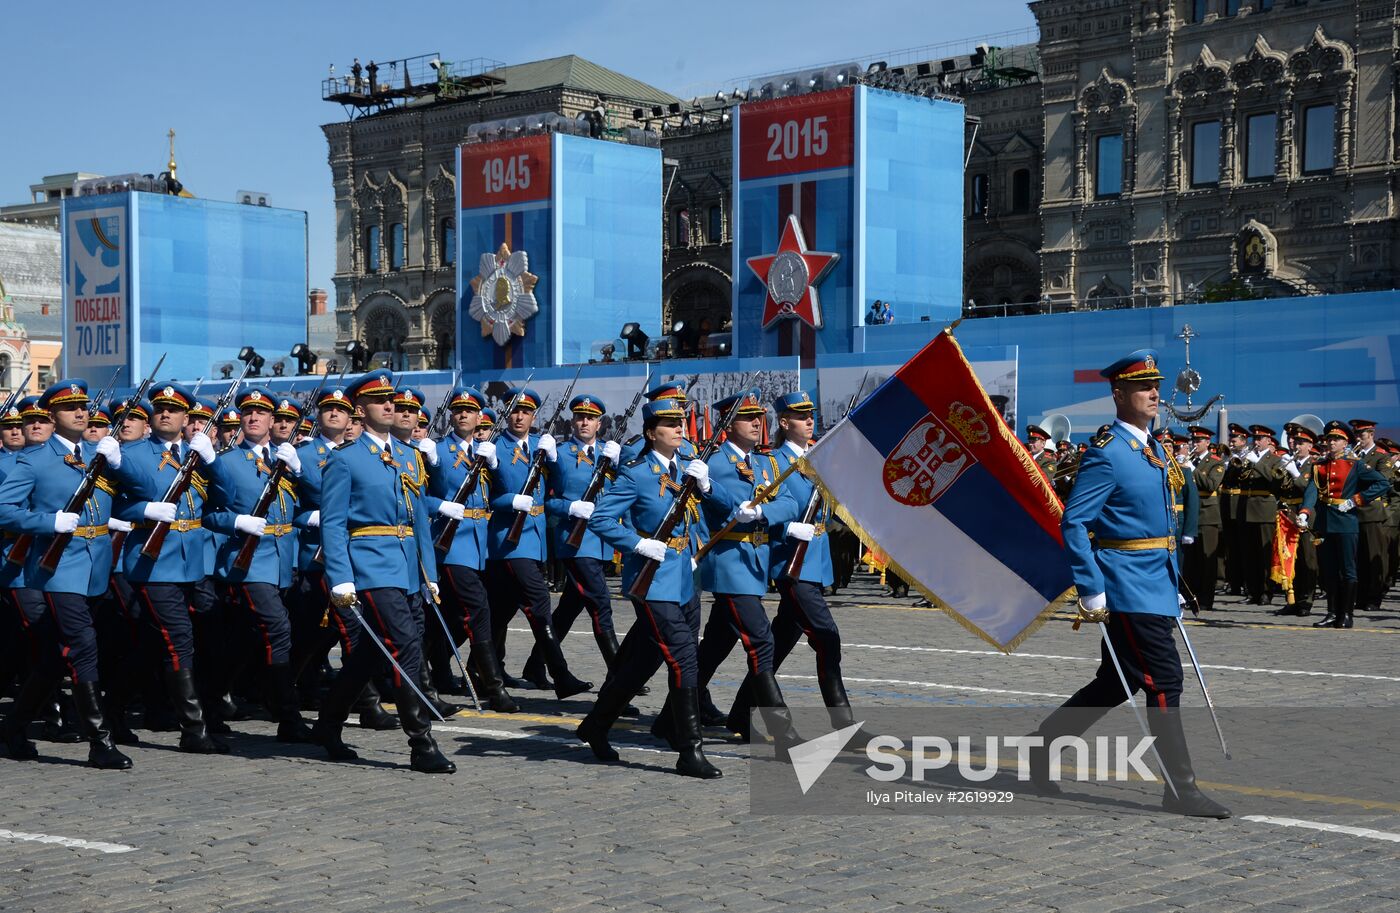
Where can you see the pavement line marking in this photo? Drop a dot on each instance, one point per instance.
(1367, 832)
(572, 743)
(1095, 661)
(71, 842)
(900, 681)
(1368, 804)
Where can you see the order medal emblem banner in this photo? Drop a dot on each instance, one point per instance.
(927, 473)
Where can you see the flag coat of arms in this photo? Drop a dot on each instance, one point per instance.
(926, 471)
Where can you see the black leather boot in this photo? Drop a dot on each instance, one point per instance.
(685, 708)
(425, 684)
(194, 737)
(535, 672)
(1331, 616)
(838, 708)
(60, 720)
(114, 703)
(33, 694)
(102, 751)
(768, 698)
(710, 715)
(335, 707)
(594, 727)
(1346, 605)
(565, 682)
(1187, 799)
(664, 726)
(738, 720)
(609, 647)
(286, 705)
(373, 716)
(483, 659)
(413, 716)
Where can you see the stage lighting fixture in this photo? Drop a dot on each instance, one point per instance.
(359, 355)
(249, 356)
(638, 113)
(674, 107)
(435, 63)
(306, 359)
(636, 339)
(925, 69)
(719, 96)
(948, 66)
(657, 110)
(878, 66)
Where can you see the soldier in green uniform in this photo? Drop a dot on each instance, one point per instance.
(1258, 513)
(1036, 439)
(1203, 556)
(1373, 545)
(1291, 476)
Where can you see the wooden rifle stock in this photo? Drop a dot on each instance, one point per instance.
(799, 549)
(250, 543)
(449, 529)
(640, 586)
(54, 553)
(517, 525)
(590, 494)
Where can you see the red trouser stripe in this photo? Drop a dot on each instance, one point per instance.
(262, 626)
(164, 633)
(388, 641)
(1142, 665)
(743, 635)
(63, 652)
(666, 654)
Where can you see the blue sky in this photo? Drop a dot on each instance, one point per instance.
(240, 82)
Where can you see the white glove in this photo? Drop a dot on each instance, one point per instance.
(653, 549)
(343, 594)
(802, 532)
(313, 519)
(522, 503)
(288, 454)
(118, 526)
(160, 511)
(249, 524)
(201, 445)
(613, 451)
(581, 509)
(487, 451)
(749, 512)
(433, 588)
(452, 510)
(551, 450)
(698, 471)
(1253, 456)
(109, 449)
(693, 565)
(64, 522)
(1346, 506)
(428, 447)
(1291, 467)
(1188, 540)
(1302, 521)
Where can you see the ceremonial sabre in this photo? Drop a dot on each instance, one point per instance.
(1210, 705)
(355, 607)
(435, 601)
(1137, 711)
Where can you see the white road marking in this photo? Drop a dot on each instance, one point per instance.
(573, 743)
(1366, 832)
(71, 842)
(899, 681)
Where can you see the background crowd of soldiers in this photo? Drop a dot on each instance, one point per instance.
(1230, 518)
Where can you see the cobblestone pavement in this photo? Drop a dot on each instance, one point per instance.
(531, 822)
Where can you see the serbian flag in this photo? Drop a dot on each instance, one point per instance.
(927, 473)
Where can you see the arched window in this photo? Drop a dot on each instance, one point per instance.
(447, 241)
(1021, 190)
(5, 371)
(682, 227)
(715, 226)
(978, 203)
(372, 249)
(396, 246)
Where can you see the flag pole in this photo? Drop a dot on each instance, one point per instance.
(763, 494)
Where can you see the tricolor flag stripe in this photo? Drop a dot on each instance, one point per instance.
(926, 472)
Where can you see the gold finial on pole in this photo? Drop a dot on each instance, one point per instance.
(170, 165)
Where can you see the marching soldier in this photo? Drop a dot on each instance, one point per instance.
(315, 628)
(466, 605)
(1118, 529)
(1292, 475)
(586, 588)
(516, 567)
(1187, 501)
(486, 425)
(636, 503)
(1258, 511)
(285, 419)
(1339, 485)
(1232, 506)
(378, 552)
(1373, 542)
(32, 501)
(164, 588)
(736, 570)
(1045, 459)
(229, 427)
(801, 610)
(201, 411)
(238, 481)
(99, 424)
(1203, 555)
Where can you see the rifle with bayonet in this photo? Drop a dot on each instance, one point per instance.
(676, 511)
(249, 547)
(793, 568)
(441, 420)
(96, 402)
(54, 553)
(183, 476)
(600, 470)
(517, 525)
(464, 491)
(15, 394)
